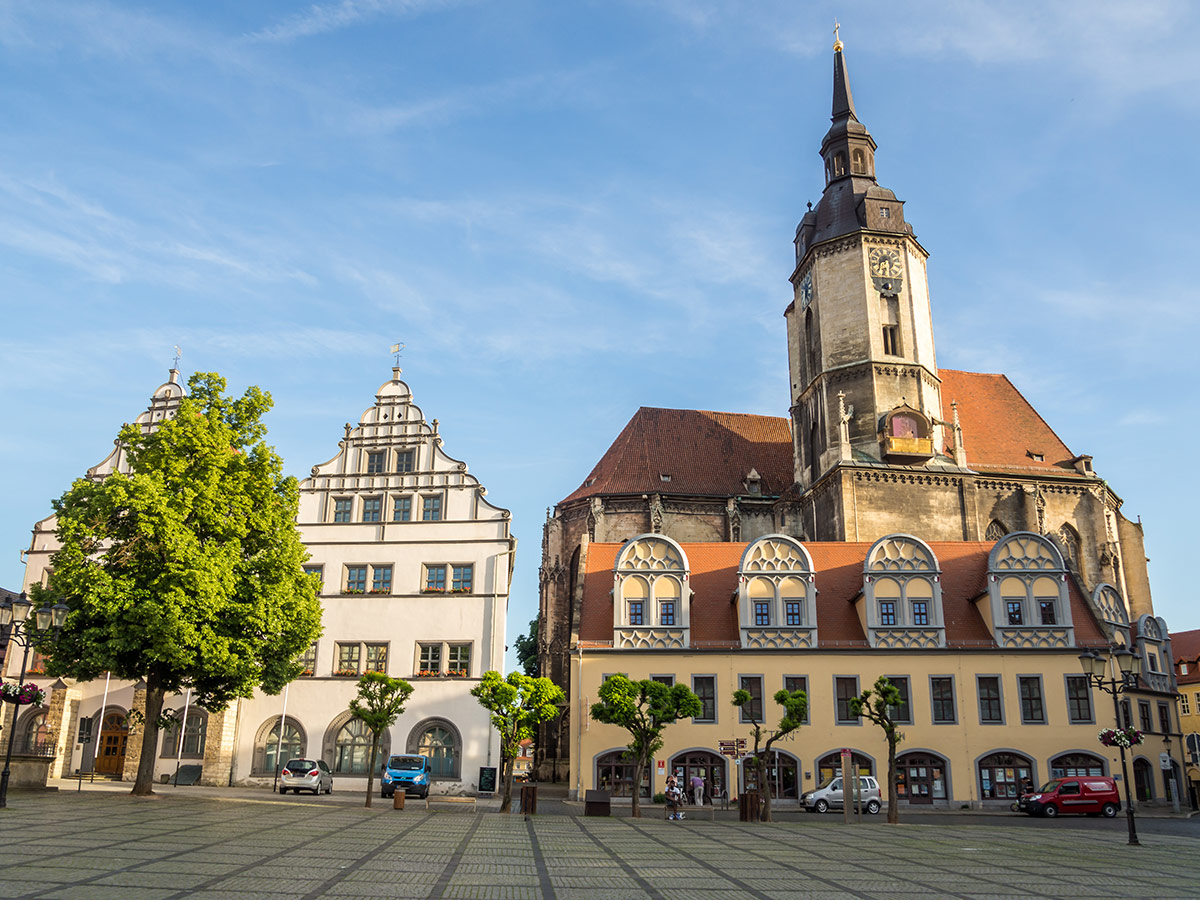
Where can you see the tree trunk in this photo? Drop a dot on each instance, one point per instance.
(143, 785)
(507, 766)
(893, 801)
(764, 783)
(638, 768)
(371, 769)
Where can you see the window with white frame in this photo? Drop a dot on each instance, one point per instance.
(402, 509)
(776, 592)
(1027, 591)
(1185, 707)
(372, 509)
(342, 507)
(651, 576)
(376, 462)
(431, 508)
(406, 460)
(902, 592)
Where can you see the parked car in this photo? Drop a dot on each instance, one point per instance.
(1093, 795)
(408, 773)
(306, 775)
(828, 795)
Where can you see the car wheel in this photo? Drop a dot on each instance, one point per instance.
(873, 807)
(1050, 811)
(821, 806)
(1108, 810)
(425, 794)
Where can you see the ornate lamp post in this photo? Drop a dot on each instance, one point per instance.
(17, 627)
(1122, 666)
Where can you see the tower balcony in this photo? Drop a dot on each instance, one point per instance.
(908, 447)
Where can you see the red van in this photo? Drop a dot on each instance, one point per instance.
(1093, 795)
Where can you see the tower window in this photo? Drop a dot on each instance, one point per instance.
(891, 340)
(858, 163)
(839, 165)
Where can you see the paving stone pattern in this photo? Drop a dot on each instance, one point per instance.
(113, 847)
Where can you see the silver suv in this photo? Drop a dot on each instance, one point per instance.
(828, 795)
(306, 775)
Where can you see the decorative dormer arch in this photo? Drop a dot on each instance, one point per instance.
(651, 596)
(1154, 645)
(1111, 605)
(777, 594)
(901, 602)
(1028, 603)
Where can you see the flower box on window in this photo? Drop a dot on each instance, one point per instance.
(465, 590)
(428, 673)
(378, 591)
(307, 672)
(350, 590)
(456, 673)
(346, 673)
(431, 589)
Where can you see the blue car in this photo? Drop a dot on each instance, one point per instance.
(407, 773)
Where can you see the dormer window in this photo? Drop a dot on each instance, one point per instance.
(776, 594)
(1108, 600)
(902, 593)
(1154, 646)
(650, 595)
(1027, 593)
(664, 477)
(885, 212)
(1036, 457)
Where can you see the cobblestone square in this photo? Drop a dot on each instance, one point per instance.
(108, 846)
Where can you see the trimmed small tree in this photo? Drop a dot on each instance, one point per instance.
(379, 703)
(795, 707)
(517, 704)
(187, 571)
(644, 709)
(878, 704)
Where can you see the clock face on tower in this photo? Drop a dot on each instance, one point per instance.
(885, 262)
(806, 290)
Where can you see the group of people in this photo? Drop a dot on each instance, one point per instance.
(674, 794)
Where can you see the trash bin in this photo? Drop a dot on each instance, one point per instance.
(398, 799)
(529, 799)
(597, 803)
(748, 806)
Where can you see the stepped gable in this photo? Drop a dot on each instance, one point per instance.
(704, 453)
(839, 574)
(1001, 430)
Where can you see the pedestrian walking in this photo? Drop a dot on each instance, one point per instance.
(674, 794)
(698, 789)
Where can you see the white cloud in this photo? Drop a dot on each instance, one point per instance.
(322, 18)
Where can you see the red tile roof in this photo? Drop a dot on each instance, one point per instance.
(1001, 431)
(704, 453)
(839, 574)
(1185, 647)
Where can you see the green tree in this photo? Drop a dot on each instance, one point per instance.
(526, 646)
(795, 707)
(518, 704)
(644, 709)
(379, 703)
(879, 704)
(187, 571)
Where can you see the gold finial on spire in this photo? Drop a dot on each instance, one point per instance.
(837, 41)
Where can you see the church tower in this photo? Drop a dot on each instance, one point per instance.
(864, 381)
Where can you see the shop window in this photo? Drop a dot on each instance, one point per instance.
(1076, 765)
(1002, 776)
(614, 773)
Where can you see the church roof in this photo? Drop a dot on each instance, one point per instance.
(702, 453)
(839, 579)
(1001, 430)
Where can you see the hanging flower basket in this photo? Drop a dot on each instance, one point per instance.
(25, 695)
(1121, 737)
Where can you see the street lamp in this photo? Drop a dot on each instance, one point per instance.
(16, 626)
(1127, 664)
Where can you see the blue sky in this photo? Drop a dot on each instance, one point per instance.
(569, 210)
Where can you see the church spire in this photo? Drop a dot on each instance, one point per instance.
(843, 100)
(848, 149)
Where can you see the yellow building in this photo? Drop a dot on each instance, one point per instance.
(1185, 649)
(983, 639)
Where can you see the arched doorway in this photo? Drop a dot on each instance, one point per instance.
(830, 765)
(709, 766)
(614, 773)
(1073, 765)
(783, 774)
(114, 735)
(1002, 775)
(1143, 780)
(920, 778)
(33, 736)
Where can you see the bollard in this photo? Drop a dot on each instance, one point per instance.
(398, 799)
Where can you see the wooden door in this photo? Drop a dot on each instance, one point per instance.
(114, 735)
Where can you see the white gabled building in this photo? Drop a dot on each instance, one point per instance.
(415, 566)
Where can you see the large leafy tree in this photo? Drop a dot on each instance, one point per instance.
(518, 704)
(795, 707)
(187, 571)
(879, 704)
(644, 709)
(379, 703)
(526, 646)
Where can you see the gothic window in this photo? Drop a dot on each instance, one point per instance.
(651, 576)
(193, 735)
(351, 748)
(1107, 599)
(1027, 590)
(270, 752)
(839, 164)
(902, 589)
(1068, 539)
(810, 342)
(996, 530)
(889, 315)
(776, 589)
(440, 741)
(858, 163)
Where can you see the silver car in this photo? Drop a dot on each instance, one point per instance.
(828, 795)
(306, 775)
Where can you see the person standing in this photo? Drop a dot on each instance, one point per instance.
(673, 793)
(698, 789)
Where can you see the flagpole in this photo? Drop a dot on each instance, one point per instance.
(100, 730)
(182, 729)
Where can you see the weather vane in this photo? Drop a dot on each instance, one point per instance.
(397, 349)
(178, 353)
